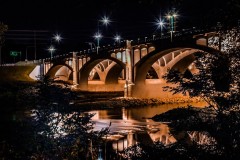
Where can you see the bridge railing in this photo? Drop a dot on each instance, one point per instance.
(105, 50)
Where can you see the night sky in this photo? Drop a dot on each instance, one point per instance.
(76, 20)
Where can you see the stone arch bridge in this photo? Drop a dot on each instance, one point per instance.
(135, 68)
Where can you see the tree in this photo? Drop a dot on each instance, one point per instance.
(3, 29)
(53, 129)
(217, 81)
(69, 133)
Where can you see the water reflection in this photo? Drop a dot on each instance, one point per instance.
(201, 138)
(130, 126)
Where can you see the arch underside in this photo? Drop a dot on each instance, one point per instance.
(60, 72)
(108, 71)
(180, 59)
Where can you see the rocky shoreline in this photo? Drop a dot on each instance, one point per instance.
(128, 102)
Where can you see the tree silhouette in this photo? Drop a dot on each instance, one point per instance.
(3, 29)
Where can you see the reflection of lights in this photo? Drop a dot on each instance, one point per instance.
(201, 138)
(124, 111)
(59, 123)
(160, 133)
(56, 125)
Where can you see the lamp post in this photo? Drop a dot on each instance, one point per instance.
(105, 21)
(91, 44)
(35, 46)
(153, 37)
(98, 36)
(172, 16)
(161, 24)
(26, 58)
(117, 39)
(57, 38)
(51, 49)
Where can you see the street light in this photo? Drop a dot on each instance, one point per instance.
(51, 49)
(153, 37)
(160, 25)
(97, 36)
(146, 39)
(172, 16)
(92, 45)
(57, 38)
(105, 21)
(117, 38)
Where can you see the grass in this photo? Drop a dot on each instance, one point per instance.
(10, 74)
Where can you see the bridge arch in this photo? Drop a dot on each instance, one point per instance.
(178, 58)
(112, 72)
(60, 71)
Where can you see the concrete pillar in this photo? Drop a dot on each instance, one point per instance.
(129, 68)
(80, 63)
(75, 68)
(42, 69)
(126, 89)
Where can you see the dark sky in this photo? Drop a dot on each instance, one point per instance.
(76, 20)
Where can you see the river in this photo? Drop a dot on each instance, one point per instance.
(132, 125)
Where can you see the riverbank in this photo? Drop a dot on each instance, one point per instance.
(128, 102)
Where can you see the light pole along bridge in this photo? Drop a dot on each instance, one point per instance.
(135, 68)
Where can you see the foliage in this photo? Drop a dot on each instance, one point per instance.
(171, 152)
(52, 130)
(70, 134)
(3, 28)
(217, 80)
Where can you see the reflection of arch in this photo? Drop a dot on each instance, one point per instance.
(160, 133)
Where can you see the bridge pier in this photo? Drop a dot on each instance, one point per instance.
(42, 68)
(75, 68)
(129, 68)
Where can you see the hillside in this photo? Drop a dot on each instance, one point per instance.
(16, 73)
